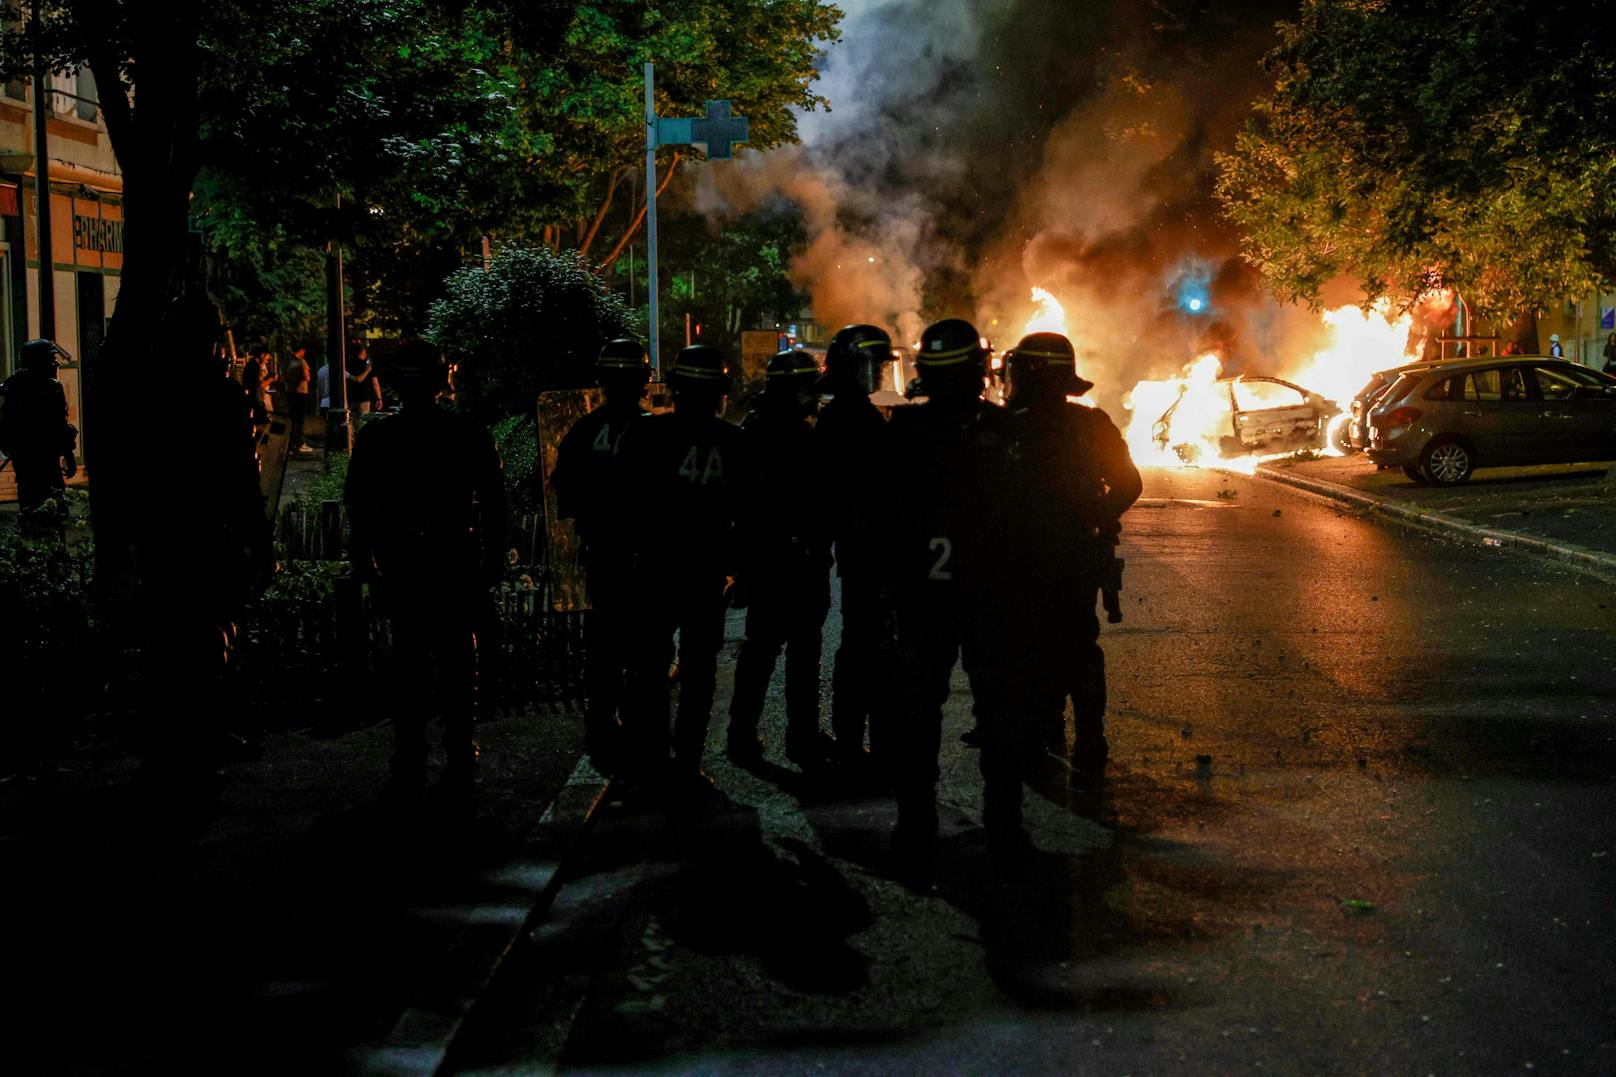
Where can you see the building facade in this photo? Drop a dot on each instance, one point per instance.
(86, 226)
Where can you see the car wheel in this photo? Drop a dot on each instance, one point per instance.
(1447, 461)
(1343, 441)
(1414, 473)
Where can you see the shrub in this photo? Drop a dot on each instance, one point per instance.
(534, 320)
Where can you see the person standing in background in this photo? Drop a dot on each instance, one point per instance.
(295, 384)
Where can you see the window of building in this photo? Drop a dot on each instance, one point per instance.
(87, 96)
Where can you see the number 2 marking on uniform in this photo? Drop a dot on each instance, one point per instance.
(944, 549)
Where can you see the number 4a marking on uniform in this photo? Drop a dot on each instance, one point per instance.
(712, 469)
(603, 440)
(944, 549)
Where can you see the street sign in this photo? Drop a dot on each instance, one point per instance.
(716, 133)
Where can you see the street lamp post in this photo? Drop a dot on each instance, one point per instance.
(337, 436)
(47, 260)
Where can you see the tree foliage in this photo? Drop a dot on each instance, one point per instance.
(728, 276)
(1415, 145)
(534, 320)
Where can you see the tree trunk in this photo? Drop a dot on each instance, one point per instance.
(153, 127)
(639, 218)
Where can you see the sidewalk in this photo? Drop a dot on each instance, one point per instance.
(1562, 510)
(305, 928)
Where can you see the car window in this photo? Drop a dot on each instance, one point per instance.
(1400, 388)
(1483, 385)
(1257, 395)
(1579, 374)
(1555, 384)
(1514, 379)
(1376, 384)
(1447, 389)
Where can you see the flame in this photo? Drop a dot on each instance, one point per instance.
(1050, 317)
(1359, 343)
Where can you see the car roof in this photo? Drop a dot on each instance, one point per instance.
(1482, 361)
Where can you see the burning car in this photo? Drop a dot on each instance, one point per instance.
(1244, 415)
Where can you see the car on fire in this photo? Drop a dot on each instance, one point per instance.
(1265, 415)
(1441, 423)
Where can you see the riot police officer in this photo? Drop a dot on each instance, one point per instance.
(589, 490)
(695, 477)
(847, 436)
(951, 532)
(788, 589)
(1079, 480)
(34, 431)
(426, 501)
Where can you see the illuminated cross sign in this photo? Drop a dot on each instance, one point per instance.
(718, 132)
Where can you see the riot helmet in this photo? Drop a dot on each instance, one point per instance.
(1043, 366)
(790, 378)
(622, 369)
(858, 355)
(952, 360)
(699, 370)
(40, 353)
(415, 368)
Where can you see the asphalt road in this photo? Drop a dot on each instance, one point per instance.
(1357, 819)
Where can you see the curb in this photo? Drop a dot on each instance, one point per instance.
(1578, 557)
(522, 891)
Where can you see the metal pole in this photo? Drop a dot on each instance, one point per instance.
(650, 216)
(336, 380)
(46, 252)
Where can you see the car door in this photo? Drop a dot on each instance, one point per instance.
(1273, 415)
(1500, 411)
(1579, 413)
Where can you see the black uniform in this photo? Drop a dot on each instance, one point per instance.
(590, 490)
(788, 581)
(194, 589)
(952, 539)
(36, 434)
(847, 440)
(426, 500)
(696, 477)
(1079, 481)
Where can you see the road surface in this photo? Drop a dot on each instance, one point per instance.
(1357, 819)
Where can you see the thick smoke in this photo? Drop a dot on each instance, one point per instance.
(977, 148)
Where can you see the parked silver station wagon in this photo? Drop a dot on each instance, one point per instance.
(1440, 423)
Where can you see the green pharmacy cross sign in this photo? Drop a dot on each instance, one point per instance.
(718, 131)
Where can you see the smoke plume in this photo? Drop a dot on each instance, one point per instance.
(975, 149)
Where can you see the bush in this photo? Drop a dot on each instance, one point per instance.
(535, 320)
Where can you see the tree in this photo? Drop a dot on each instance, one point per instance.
(440, 123)
(287, 104)
(588, 98)
(1468, 144)
(728, 276)
(534, 320)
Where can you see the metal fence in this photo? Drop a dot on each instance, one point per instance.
(318, 638)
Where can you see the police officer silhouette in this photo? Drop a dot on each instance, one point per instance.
(695, 480)
(788, 587)
(34, 431)
(589, 490)
(847, 445)
(950, 529)
(426, 504)
(1078, 481)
